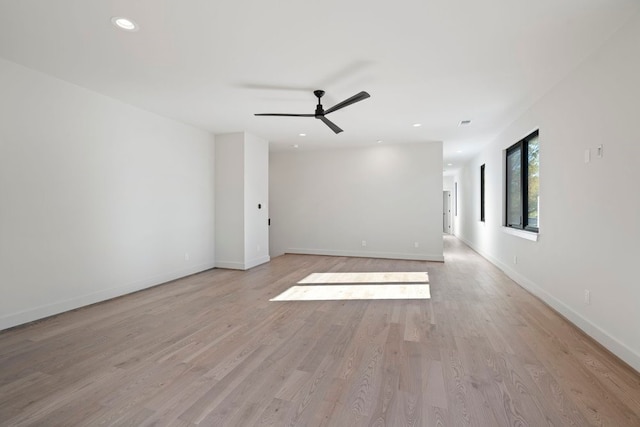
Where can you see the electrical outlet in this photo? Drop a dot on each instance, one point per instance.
(587, 296)
(416, 244)
(599, 151)
(587, 155)
(515, 259)
(258, 248)
(364, 243)
(186, 256)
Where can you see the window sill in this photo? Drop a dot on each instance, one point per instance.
(529, 235)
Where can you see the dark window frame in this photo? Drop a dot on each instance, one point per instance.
(523, 147)
(482, 192)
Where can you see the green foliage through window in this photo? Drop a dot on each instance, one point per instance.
(522, 184)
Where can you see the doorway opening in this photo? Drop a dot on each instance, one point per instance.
(447, 221)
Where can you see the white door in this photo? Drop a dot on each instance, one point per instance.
(446, 212)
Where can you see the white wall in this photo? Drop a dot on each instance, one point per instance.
(97, 198)
(328, 201)
(256, 191)
(242, 182)
(447, 183)
(229, 190)
(589, 212)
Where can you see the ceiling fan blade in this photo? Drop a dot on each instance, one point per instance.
(329, 123)
(285, 115)
(355, 98)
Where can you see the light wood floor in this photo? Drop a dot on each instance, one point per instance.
(211, 349)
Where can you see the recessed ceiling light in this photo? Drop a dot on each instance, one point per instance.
(459, 151)
(449, 164)
(124, 23)
(464, 122)
(379, 141)
(295, 146)
(417, 125)
(303, 134)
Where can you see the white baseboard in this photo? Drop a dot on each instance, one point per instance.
(233, 265)
(26, 316)
(366, 254)
(606, 340)
(256, 261)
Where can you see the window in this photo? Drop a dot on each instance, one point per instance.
(522, 174)
(482, 193)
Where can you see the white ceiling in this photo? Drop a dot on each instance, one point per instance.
(213, 63)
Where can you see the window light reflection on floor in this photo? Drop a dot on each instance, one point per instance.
(367, 277)
(359, 286)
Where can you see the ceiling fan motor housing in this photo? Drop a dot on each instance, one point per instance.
(319, 110)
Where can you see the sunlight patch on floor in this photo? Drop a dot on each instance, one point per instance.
(354, 292)
(367, 277)
(335, 286)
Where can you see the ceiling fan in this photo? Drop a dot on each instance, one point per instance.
(320, 112)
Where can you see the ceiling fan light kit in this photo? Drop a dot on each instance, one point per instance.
(320, 112)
